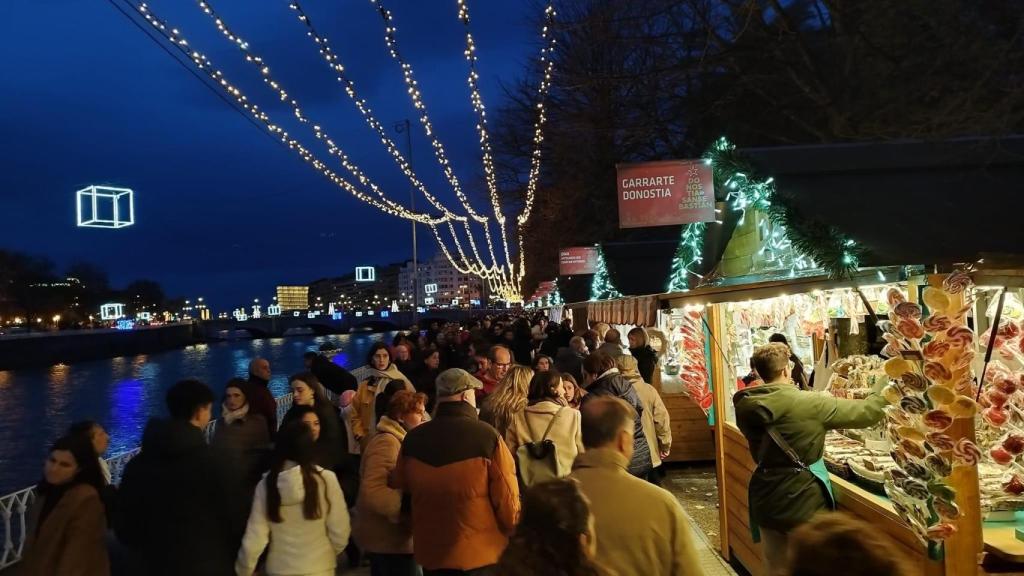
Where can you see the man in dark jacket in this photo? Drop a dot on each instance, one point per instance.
(261, 400)
(462, 481)
(174, 509)
(602, 378)
(570, 360)
(784, 494)
(333, 377)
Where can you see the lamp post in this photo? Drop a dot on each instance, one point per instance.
(406, 127)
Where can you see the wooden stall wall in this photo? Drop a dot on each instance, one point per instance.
(692, 438)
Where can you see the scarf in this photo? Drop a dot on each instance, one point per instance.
(230, 416)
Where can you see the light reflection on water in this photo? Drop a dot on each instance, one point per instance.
(37, 405)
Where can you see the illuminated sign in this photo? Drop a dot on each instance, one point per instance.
(420, 309)
(240, 315)
(336, 316)
(125, 325)
(144, 316)
(256, 311)
(430, 288)
(369, 312)
(455, 301)
(330, 309)
(384, 314)
(296, 314)
(359, 314)
(365, 274)
(111, 311)
(312, 314)
(428, 301)
(394, 305)
(273, 310)
(105, 207)
(474, 302)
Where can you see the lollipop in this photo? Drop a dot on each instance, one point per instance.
(915, 449)
(914, 381)
(939, 465)
(996, 397)
(935, 298)
(1015, 485)
(940, 489)
(908, 310)
(895, 475)
(910, 433)
(996, 417)
(894, 296)
(935, 349)
(1014, 444)
(1006, 386)
(1000, 456)
(1008, 329)
(966, 453)
(918, 471)
(910, 328)
(963, 407)
(915, 488)
(960, 336)
(890, 350)
(896, 367)
(913, 405)
(947, 510)
(899, 458)
(941, 531)
(898, 417)
(891, 394)
(937, 323)
(939, 441)
(937, 420)
(937, 372)
(956, 283)
(941, 395)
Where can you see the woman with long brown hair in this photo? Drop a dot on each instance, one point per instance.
(298, 509)
(508, 399)
(555, 535)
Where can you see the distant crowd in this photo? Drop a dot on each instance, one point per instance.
(501, 447)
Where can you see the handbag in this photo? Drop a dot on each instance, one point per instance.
(538, 461)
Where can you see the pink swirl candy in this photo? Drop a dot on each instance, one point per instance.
(908, 310)
(957, 282)
(935, 349)
(937, 420)
(960, 336)
(910, 328)
(937, 323)
(939, 441)
(894, 296)
(937, 372)
(966, 453)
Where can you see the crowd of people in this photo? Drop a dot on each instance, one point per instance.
(502, 447)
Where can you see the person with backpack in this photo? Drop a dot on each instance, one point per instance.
(546, 437)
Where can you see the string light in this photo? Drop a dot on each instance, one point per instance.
(688, 255)
(174, 36)
(602, 287)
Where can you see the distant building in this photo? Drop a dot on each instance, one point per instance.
(347, 293)
(293, 297)
(439, 284)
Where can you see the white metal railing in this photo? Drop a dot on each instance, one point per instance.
(14, 507)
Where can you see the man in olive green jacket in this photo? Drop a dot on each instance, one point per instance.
(790, 484)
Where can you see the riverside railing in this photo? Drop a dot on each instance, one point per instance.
(14, 507)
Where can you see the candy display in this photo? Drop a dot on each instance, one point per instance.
(929, 362)
(687, 358)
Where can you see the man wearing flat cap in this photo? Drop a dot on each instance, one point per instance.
(462, 481)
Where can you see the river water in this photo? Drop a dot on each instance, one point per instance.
(38, 405)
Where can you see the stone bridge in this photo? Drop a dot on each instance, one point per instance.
(276, 326)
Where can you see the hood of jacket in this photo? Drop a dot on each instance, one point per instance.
(391, 372)
(388, 426)
(612, 382)
(172, 438)
(289, 484)
(544, 407)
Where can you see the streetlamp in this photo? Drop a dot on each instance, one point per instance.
(406, 127)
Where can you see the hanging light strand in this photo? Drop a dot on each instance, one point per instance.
(174, 36)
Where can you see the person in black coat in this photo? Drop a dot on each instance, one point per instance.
(570, 360)
(601, 378)
(174, 507)
(333, 377)
(308, 397)
(646, 357)
(426, 377)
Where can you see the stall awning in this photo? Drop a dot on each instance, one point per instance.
(637, 311)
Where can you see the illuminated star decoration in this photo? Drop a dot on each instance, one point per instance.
(503, 274)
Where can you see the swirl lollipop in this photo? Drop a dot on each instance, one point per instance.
(910, 329)
(966, 453)
(915, 449)
(937, 372)
(947, 510)
(937, 420)
(935, 349)
(939, 465)
(915, 488)
(960, 336)
(913, 405)
(940, 489)
(892, 394)
(956, 283)
(914, 381)
(941, 395)
(935, 298)
(937, 323)
(939, 441)
(918, 471)
(910, 433)
(908, 310)
(894, 296)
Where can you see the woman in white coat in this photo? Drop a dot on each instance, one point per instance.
(547, 406)
(299, 509)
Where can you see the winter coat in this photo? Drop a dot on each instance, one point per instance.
(332, 444)
(657, 429)
(243, 446)
(641, 528)
(297, 545)
(611, 383)
(566, 433)
(261, 401)
(379, 526)
(646, 362)
(175, 504)
(465, 496)
(612, 349)
(333, 377)
(70, 542)
(782, 496)
(570, 362)
(363, 418)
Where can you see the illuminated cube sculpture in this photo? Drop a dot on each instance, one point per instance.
(112, 311)
(105, 207)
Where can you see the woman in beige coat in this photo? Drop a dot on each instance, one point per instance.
(380, 529)
(373, 378)
(546, 403)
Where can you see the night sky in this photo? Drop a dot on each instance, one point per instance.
(223, 211)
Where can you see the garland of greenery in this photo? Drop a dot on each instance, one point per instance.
(814, 243)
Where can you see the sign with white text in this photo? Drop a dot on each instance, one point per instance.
(666, 193)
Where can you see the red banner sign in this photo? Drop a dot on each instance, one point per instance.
(578, 260)
(665, 193)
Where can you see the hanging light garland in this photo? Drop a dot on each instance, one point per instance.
(688, 256)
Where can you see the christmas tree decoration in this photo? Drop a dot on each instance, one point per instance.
(601, 286)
